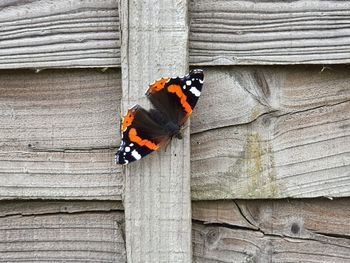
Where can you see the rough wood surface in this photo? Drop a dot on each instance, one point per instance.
(157, 189)
(53, 232)
(269, 32)
(65, 33)
(86, 33)
(219, 212)
(303, 218)
(292, 139)
(59, 130)
(223, 244)
(306, 230)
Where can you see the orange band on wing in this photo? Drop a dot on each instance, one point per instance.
(128, 119)
(158, 85)
(183, 99)
(142, 142)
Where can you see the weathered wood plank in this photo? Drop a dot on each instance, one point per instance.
(303, 218)
(309, 230)
(46, 34)
(86, 34)
(238, 95)
(219, 212)
(303, 154)
(269, 32)
(157, 191)
(298, 146)
(58, 132)
(54, 233)
(222, 244)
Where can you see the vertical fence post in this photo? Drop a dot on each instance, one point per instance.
(157, 188)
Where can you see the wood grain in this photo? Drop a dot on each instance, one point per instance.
(304, 230)
(157, 188)
(297, 148)
(239, 95)
(302, 218)
(219, 212)
(87, 34)
(47, 34)
(54, 233)
(59, 130)
(269, 32)
(221, 244)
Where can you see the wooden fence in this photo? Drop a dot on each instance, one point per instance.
(262, 174)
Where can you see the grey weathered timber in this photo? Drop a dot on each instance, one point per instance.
(47, 34)
(225, 245)
(61, 232)
(58, 133)
(276, 133)
(306, 230)
(269, 32)
(157, 190)
(70, 119)
(219, 212)
(303, 218)
(237, 95)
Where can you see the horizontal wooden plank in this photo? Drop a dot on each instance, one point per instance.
(269, 32)
(59, 235)
(303, 154)
(238, 95)
(295, 145)
(303, 218)
(87, 34)
(59, 130)
(46, 34)
(307, 230)
(222, 244)
(219, 212)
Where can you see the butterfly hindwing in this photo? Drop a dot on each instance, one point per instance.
(176, 97)
(141, 135)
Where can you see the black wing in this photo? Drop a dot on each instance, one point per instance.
(141, 135)
(176, 97)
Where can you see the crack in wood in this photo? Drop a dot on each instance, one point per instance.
(71, 149)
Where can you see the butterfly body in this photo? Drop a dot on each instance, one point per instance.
(144, 131)
(170, 127)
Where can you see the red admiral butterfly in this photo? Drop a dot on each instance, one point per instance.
(173, 100)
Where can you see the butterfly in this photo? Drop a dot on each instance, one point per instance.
(172, 100)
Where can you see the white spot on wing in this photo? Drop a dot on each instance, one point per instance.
(136, 155)
(201, 81)
(184, 86)
(131, 144)
(127, 149)
(195, 91)
(188, 82)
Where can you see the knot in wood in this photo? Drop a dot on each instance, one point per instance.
(295, 228)
(213, 236)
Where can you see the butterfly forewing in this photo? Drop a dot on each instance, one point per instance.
(176, 97)
(141, 135)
